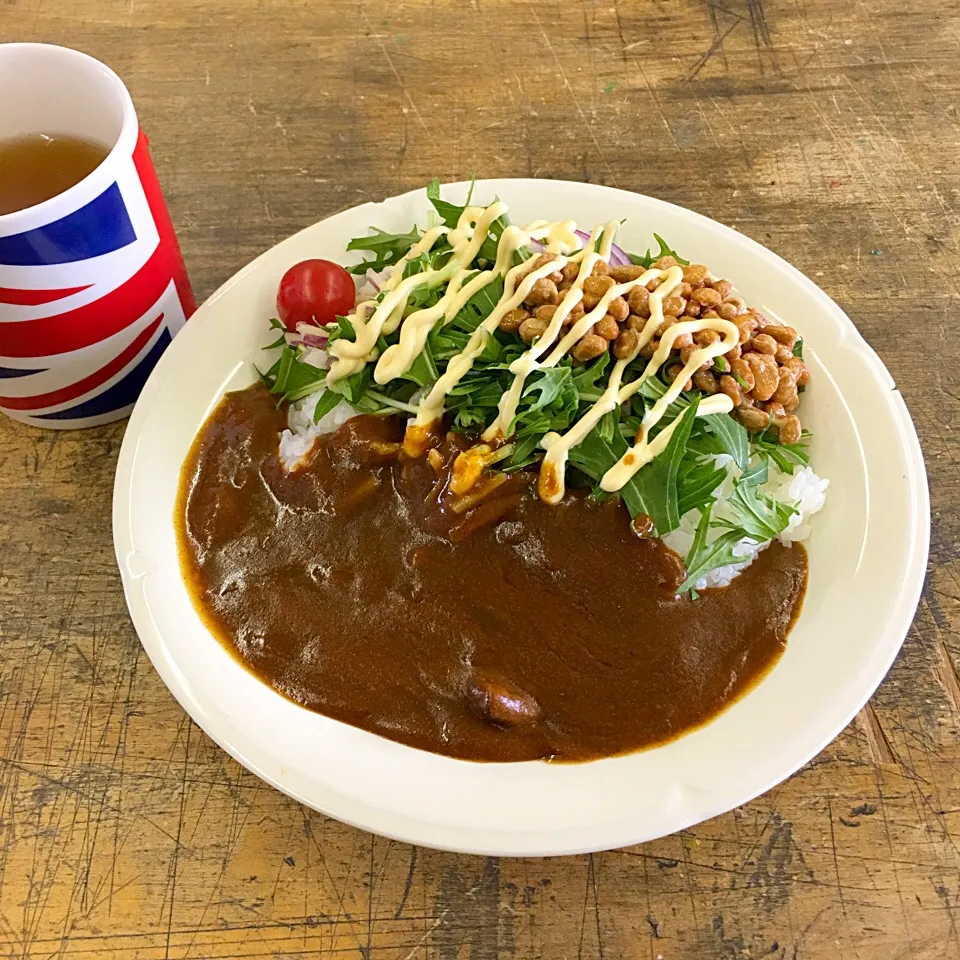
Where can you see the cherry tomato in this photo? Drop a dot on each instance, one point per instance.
(315, 291)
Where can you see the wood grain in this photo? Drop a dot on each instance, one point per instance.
(830, 133)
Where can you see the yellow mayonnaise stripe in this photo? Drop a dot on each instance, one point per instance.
(729, 338)
(644, 450)
(350, 356)
(558, 446)
(623, 470)
(521, 368)
(471, 231)
(560, 238)
(467, 253)
(398, 358)
(526, 364)
(432, 405)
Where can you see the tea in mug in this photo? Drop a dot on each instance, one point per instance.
(38, 166)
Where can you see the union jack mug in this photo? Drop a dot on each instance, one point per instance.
(92, 282)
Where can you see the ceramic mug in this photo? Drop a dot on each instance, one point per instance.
(92, 282)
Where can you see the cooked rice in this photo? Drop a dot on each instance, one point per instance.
(802, 489)
(297, 441)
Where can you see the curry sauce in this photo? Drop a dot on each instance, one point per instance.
(516, 630)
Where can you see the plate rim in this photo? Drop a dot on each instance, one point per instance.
(504, 842)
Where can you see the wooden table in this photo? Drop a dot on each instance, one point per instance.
(828, 132)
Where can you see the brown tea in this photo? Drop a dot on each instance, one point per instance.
(36, 167)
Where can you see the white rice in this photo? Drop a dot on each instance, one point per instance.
(297, 441)
(802, 489)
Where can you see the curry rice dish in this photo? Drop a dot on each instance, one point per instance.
(521, 495)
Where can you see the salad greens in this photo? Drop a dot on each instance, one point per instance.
(387, 248)
(649, 259)
(684, 477)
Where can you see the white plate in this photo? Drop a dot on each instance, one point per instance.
(867, 559)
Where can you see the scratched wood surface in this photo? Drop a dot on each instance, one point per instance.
(828, 131)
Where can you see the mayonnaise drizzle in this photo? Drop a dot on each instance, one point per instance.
(644, 450)
(466, 242)
(371, 320)
(351, 356)
(471, 231)
(431, 406)
(551, 481)
(526, 364)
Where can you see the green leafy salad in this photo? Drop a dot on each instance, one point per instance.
(725, 483)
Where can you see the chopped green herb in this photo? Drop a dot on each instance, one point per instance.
(327, 402)
(787, 456)
(760, 517)
(450, 213)
(755, 475)
(653, 388)
(587, 378)
(549, 384)
(423, 370)
(607, 427)
(281, 341)
(652, 490)
(697, 484)
(719, 553)
(596, 455)
(355, 386)
(549, 402)
(732, 436)
(379, 402)
(387, 248)
(524, 452)
(347, 331)
(478, 307)
(657, 481)
(649, 259)
(290, 379)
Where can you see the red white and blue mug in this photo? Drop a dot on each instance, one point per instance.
(92, 282)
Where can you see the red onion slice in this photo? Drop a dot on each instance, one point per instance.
(618, 257)
(308, 335)
(313, 328)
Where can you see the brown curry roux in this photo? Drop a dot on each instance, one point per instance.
(546, 632)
